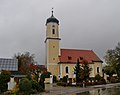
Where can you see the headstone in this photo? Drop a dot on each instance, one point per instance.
(83, 84)
(11, 84)
(59, 77)
(74, 75)
(105, 76)
(51, 79)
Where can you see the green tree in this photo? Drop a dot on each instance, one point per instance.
(112, 59)
(4, 79)
(42, 79)
(24, 60)
(117, 55)
(77, 71)
(86, 70)
(109, 70)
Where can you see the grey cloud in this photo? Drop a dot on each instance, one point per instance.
(84, 24)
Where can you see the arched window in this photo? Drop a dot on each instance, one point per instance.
(98, 71)
(53, 31)
(66, 69)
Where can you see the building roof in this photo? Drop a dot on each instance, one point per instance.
(8, 64)
(42, 68)
(71, 56)
(17, 74)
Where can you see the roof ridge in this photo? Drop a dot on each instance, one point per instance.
(76, 49)
(5, 58)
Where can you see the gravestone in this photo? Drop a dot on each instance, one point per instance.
(51, 79)
(11, 84)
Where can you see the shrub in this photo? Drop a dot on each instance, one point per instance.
(94, 83)
(15, 90)
(102, 81)
(64, 79)
(74, 79)
(42, 84)
(113, 80)
(25, 86)
(97, 77)
(79, 84)
(35, 85)
(62, 84)
(59, 83)
(54, 79)
(4, 79)
(88, 83)
(46, 74)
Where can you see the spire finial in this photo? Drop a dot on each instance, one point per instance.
(52, 11)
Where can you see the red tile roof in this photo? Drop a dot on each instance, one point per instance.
(71, 56)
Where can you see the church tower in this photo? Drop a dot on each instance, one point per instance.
(52, 45)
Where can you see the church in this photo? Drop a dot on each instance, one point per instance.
(61, 62)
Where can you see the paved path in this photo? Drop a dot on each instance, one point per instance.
(53, 89)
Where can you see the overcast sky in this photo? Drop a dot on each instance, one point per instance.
(84, 24)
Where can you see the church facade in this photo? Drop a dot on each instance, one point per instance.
(61, 62)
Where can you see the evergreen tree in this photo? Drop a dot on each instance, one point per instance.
(77, 71)
(86, 70)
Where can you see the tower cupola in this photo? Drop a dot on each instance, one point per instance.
(52, 19)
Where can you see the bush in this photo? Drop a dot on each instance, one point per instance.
(4, 79)
(25, 86)
(79, 84)
(46, 74)
(65, 79)
(62, 84)
(97, 77)
(42, 84)
(88, 83)
(102, 81)
(54, 79)
(59, 83)
(113, 80)
(14, 91)
(36, 86)
(74, 79)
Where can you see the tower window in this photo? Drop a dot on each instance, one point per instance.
(53, 31)
(66, 69)
(53, 46)
(53, 58)
(53, 26)
(98, 70)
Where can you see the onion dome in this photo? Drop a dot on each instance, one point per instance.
(52, 19)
